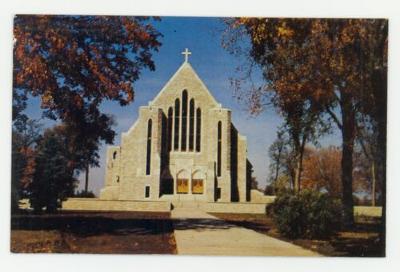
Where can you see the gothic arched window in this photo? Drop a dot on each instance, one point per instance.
(198, 129)
(184, 120)
(191, 125)
(148, 152)
(219, 149)
(176, 125)
(169, 128)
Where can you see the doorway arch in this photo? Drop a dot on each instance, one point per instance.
(198, 182)
(182, 182)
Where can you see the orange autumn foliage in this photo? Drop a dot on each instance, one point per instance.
(321, 170)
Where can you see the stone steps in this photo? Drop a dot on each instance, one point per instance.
(186, 204)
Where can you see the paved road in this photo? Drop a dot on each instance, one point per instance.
(199, 233)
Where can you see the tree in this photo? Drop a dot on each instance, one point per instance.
(322, 170)
(362, 176)
(367, 160)
(74, 63)
(254, 183)
(284, 183)
(84, 138)
(25, 135)
(282, 160)
(282, 165)
(283, 68)
(53, 179)
(276, 152)
(374, 53)
(332, 62)
(358, 70)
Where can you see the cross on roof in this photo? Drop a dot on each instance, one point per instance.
(186, 53)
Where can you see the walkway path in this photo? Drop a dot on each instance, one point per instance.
(199, 233)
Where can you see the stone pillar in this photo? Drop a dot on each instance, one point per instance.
(190, 181)
(242, 168)
(174, 178)
(210, 180)
(224, 181)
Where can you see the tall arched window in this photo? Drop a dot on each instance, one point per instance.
(198, 129)
(184, 120)
(169, 128)
(176, 126)
(148, 153)
(219, 149)
(191, 125)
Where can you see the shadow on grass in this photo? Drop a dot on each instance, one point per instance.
(203, 224)
(90, 224)
(92, 232)
(258, 227)
(360, 241)
(95, 223)
(347, 247)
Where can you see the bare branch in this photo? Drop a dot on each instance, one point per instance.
(335, 118)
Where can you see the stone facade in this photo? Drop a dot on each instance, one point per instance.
(182, 147)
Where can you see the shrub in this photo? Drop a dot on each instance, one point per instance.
(83, 194)
(269, 190)
(307, 214)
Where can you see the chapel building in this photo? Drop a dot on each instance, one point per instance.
(182, 147)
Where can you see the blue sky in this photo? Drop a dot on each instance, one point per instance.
(215, 66)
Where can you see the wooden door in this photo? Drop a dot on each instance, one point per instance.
(182, 186)
(197, 186)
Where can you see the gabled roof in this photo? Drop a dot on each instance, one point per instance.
(180, 79)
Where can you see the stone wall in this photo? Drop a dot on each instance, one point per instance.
(112, 165)
(133, 165)
(259, 197)
(113, 175)
(224, 180)
(368, 211)
(94, 204)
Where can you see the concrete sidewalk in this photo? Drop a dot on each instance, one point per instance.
(199, 233)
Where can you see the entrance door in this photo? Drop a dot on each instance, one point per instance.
(197, 186)
(182, 186)
(167, 186)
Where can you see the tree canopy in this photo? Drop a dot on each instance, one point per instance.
(74, 64)
(338, 65)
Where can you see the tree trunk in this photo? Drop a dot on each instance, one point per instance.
(299, 165)
(86, 178)
(381, 175)
(373, 193)
(278, 166)
(380, 115)
(277, 171)
(348, 137)
(297, 176)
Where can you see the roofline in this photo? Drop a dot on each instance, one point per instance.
(176, 74)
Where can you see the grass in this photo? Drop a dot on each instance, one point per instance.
(360, 241)
(152, 233)
(93, 232)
